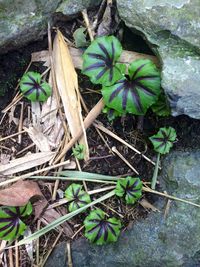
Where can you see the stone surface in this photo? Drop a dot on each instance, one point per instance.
(25, 21)
(154, 241)
(172, 29)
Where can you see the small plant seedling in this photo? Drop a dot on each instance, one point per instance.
(101, 230)
(78, 198)
(136, 93)
(129, 187)
(162, 142)
(11, 221)
(33, 88)
(100, 61)
(79, 151)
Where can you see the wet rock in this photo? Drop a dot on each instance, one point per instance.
(172, 29)
(154, 241)
(25, 21)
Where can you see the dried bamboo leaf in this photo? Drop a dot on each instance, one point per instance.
(67, 82)
(38, 138)
(41, 56)
(24, 163)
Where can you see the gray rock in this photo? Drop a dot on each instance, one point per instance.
(25, 21)
(172, 29)
(154, 241)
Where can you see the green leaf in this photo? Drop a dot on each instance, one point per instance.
(33, 88)
(80, 37)
(78, 197)
(99, 61)
(100, 230)
(161, 107)
(79, 151)
(163, 140)
(131, 188)
(61, 220)
(112, 114)
(11, 224)
(137, 93)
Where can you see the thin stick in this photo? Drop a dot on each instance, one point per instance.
(16, 255)
(92, 115)
(79, 168)
(114, 211)
(77, 231)
(11, 136)
(87, 23)
(114, 149)
(38, 245)
(10, 256)
(147, 189)
(22, 177)
(21, 122)
(6, 148)
(103, 129)
(155, 173)
(26, 148)
(69, 255)
(52, 247)
(57, 183)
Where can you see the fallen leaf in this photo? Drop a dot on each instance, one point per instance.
(147, 205)
(80, 37)
(67, 82)
(38, 138)
(19, 193)
(50, 216)
(41, 56)
(24, 163)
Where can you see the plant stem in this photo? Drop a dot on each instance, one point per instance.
(155, 173)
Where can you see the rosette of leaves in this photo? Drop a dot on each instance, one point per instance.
(163, 140)
(79, 151)
(100, 61)
(162, 143)
(161, 107)
(136, 93)
(11, 221)
(129, 187)
(101, 230)
(33, 88)
(78, 198)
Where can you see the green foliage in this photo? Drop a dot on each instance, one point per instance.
(79, 151)
(100, 230)
(33, 88)
(11, 221)
(161, 107)
(99, 61)
(80, 37)
(112, 114)
(78, 198)
(129, 187)
(137, 93)
(163, 140)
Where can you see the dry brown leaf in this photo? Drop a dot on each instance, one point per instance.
(41, 56)
(50, 216)
(24, 163)
(38, 138)
(67, 82)
(147, 205)
(19, 193)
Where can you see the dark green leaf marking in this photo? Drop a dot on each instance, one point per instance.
(11, 221)
(163, 140)
(99, 61)
(78, 198)
(129, 187)
(137, 93)
(100, 230)
(33, 88)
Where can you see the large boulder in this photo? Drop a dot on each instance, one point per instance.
(156, 241)
(24, 21)
(172, 29)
